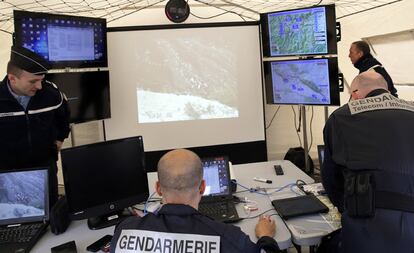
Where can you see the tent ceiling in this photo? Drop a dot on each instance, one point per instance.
(116, 9)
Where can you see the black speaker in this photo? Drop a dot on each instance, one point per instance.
(297, 157)
(177, 10)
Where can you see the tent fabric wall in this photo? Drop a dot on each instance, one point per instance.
(281, 135)
(383, 47)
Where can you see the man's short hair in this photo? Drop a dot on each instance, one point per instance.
(362, 46)
(13, 69)
(180, 170)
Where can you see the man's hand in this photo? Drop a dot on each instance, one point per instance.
(265, 227)
(59, 145)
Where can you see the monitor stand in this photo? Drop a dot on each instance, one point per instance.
(107, 220)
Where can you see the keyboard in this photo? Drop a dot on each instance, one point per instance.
(216, 209)
(19, 234)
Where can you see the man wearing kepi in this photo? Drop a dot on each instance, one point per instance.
(178, 227)
(33, 116)
(368, 170)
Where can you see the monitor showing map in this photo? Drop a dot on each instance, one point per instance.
(305, 82)
(308, 31)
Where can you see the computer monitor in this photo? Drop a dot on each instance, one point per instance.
(65, 41)
(87, 94)
(302, 82)
(306, 31)
(102, 179)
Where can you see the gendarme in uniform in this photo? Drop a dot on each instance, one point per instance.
(368, 172)
(30, 125)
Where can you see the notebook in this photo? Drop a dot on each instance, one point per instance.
(24, 208)
(300, 205)
(217, 200)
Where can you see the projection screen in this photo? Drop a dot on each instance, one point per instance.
(186, 87)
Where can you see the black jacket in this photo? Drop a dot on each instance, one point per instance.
(185, 220)
(28, 136)
(367, 62)
(373, 134)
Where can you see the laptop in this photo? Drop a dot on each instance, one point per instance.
(321, 153)
(298, 206)
(217, 200)
(24, 208)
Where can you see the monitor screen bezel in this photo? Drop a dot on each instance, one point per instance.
(110, 206)
(19, 15)
(333, 82)
(330, 31)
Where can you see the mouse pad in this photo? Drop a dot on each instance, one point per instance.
(300, 205)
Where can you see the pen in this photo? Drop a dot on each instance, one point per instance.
(262, 180)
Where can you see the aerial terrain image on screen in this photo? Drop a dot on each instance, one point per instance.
(299, 32)
(301, 83)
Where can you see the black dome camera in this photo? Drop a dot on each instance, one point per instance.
(177, 10)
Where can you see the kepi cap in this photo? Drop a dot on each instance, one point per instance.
(29, 61)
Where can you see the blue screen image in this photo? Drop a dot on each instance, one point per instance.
(301, 82)
(58, 39)
(298, 32)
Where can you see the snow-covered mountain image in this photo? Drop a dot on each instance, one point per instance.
(172, 86)
(162, 107)
(22, 194)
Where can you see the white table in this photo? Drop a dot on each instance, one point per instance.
(83, 236)
(305, 230)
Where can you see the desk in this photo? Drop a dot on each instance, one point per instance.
(305, 230)
(244, 174)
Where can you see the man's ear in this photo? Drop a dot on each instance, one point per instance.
(202, 186)
(158, 188)
(12, 78)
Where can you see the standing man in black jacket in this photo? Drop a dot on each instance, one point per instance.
(178, 226)
(34, 117)
(361, 58)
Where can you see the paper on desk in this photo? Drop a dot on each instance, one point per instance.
(333, 217)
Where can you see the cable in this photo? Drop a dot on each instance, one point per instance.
(217, 7)
(217, 15)
(258, 215)
(296, 127)
(265, 192)
(310, 129)
(252, 190)
(273, 117)
(146, 202)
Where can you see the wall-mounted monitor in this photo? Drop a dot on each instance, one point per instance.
(102, 179)
(65, 41)
(87, 94)
(304, 82)
(307, 31)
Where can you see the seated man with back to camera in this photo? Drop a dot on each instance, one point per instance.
(368, 168)
(178, 226)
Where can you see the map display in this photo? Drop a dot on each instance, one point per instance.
(298, 32)
(301, 82)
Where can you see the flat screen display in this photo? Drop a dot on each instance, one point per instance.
(87, 94)
(305, 82)
(308, 31)
(104, 177)
(65, 41)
